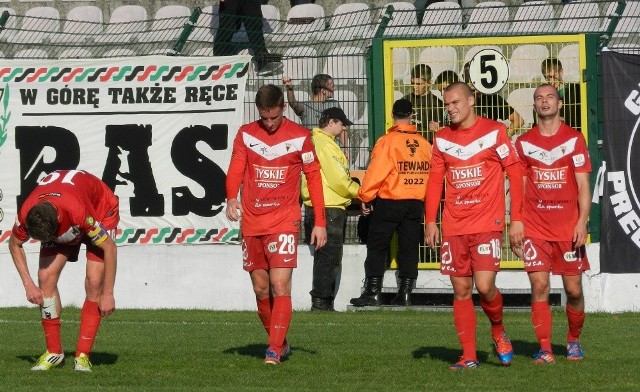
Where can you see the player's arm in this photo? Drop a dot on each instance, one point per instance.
(516, 183)
(107, 302)
(584, 205)
(319, 231)
(33, 292)
(235, 175)
(435, 185)
(377, 171)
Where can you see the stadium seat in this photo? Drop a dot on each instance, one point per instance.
(119, 52)
(474, 50)
(439, 58)
(82, 23)
(344, 64)
(37, 25)
(9, 28)
(200, 52)
(488, 18)
(578, 17)
(75, 53)
(629, 23)
(533, 17)
(349, 102)
(300, 63)
(569, 56)
(628, 48)
(403, 22)
(521, 99)
(442, 18)
(31, 54)
(304, 21)
(271, 15)
(401, 64)
(125, 24)
(349, 20)
(525, 61)
(206, 26)
(168, 24)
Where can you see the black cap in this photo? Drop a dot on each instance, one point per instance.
(336, 113)
(402, 108)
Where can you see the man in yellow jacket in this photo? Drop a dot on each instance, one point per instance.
(393, 191)
(339, 189)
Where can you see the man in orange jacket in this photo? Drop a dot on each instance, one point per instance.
(393, 192)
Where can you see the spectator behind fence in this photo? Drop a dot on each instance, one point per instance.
(338, 189)
(427, 106)
(471, 155)
(322, 89)
(443, 80)
(495, 107)
(66, 209)
(555, 219)
(233, 14)
(267, 159)
(393, 191)
(570, 111)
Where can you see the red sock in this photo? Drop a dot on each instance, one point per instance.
(494, 309)
(280, 320)
(464, 318)
(89, 324)
(264, 312)
(541, 320)
(52, 335)
(576, 321)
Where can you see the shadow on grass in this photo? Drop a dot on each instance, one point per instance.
(444, 354)
(97, 358)
(527, 348)
(257, 350)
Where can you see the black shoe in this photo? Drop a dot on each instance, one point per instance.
(322, 304)
(371, 294)
(403, 298)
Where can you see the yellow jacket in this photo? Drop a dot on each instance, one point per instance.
(399, 166)
(337, 185)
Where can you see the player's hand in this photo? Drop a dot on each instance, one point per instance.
(366, 208)
(34, 294)
(318, 237)
(431, 235)
(106, 305)
(579, 235)
(234, 210)
(516, 236)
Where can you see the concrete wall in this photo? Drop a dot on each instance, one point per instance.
(211, 277)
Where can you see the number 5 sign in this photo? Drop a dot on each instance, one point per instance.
(488, 71)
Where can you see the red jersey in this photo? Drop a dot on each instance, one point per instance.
(85, 205)
(268, 166)
(473, 161)
(551, 191)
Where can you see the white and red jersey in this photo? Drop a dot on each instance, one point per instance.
(85, 206)
(472, 160)
(551, 192)
(268, 167)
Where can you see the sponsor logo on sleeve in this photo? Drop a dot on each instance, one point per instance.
(578, 160)
(503, 151)
(307, 157)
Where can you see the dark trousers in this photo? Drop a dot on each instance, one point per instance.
(327, 261)
(403, 217)
(232, 14)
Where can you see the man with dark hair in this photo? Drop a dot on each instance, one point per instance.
(339, 189)
(428, 107)
(556, 162)
(393, 192)
(233, 14)
(472, 155)
(322, 90)
(66, 209)
(569, 93)
(494, 107)
(267, 159)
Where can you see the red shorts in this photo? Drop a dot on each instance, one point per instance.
(558, 257)
(270, 251)
(461, 255)
(94, 252)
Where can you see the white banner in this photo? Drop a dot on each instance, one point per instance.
(158, 130)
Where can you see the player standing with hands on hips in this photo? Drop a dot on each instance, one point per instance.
(472, 155)
(66, 209)
(267, 159)
(556, 208)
